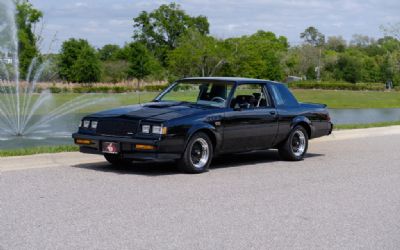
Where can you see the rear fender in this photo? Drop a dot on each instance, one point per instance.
(304, 121)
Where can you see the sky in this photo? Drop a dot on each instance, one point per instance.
(103, 22)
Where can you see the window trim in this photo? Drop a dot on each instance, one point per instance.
(275, 87)
(264, 89)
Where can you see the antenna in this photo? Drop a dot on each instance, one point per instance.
(139, 91)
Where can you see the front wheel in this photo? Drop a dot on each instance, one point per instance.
(198, 154)
(295, 146)
(117, 160)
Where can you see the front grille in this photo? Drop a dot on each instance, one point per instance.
(118, 127)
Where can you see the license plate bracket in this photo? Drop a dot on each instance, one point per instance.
(110, 147)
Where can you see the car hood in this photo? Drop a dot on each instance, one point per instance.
(158, 111)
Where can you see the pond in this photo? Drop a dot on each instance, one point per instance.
(69, 124)
(357, 116)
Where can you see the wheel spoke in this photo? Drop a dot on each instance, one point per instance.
(199, 153)
(298, 143)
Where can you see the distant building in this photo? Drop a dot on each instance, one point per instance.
(5, 58)
(290, 79)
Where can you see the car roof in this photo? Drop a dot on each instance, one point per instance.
(228, 79)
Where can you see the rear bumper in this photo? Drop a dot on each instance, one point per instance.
(321, 129)
(127, 147)
(331, 129)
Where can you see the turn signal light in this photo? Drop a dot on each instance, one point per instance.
(83, 141)
(144, 147)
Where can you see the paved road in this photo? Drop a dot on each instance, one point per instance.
(344, 195)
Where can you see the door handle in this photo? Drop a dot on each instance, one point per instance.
(272, 113)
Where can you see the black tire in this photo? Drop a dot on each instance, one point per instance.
(295, 146)
(117, 160)
(198, 154)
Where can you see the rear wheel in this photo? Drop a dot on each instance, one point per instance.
(198, 154)
(295, 146)
(117, 160)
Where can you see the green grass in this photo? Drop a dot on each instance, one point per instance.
(350, 99)
(38, 150)
(333, 98)
(366, 125)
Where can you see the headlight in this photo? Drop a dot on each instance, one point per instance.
(159, 130)
(86, 123)
(156, 130)
(94, 124)
(146, 129)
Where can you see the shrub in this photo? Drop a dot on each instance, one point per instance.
(336, 86)
(151, 88)
(55, 90)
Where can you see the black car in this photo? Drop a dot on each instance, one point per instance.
(195, 119)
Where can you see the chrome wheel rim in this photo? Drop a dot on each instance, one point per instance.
(199, 153)
(298, 143)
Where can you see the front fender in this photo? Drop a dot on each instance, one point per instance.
(212, 131)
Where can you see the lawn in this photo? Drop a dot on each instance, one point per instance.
(366, 125)
(333, 98)
(350, 99)
(38, 150)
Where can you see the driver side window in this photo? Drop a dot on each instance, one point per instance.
(250, 96)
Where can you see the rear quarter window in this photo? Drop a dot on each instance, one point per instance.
(282, 96)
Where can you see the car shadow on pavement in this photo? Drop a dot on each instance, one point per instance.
(170, 167)
(249, 158)
(139, 168)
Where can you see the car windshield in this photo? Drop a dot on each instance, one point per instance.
(203, 93)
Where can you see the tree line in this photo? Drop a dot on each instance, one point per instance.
(167, 44)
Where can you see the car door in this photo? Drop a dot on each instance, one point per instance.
(251, 120)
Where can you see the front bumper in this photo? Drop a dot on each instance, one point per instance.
(126, 146)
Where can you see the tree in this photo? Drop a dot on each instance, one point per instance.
(312, 36)
(349, 68)
(197, 55)
(257, 56)
(336, 43)
(142, 62)
(161, 28)
(115, 71)
(27, 17)
(389, 44)
(306, 57)
(78, 62)
(370, 71)
(361, 41)
(109, 52)
(391, 29)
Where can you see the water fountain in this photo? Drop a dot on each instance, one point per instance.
(24, 112)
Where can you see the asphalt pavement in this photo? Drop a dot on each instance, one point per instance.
(344, 195)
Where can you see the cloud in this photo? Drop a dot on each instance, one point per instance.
(80, 4)
(102, 21)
